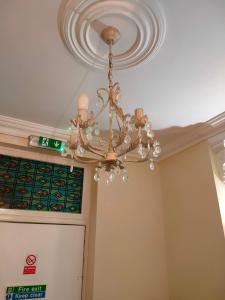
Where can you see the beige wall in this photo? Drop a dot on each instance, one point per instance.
(194, 233)
(220, 186)
(129, 247)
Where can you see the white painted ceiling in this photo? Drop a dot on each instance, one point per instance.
(183, 84)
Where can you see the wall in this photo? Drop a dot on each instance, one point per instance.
(217, 163)
(130, 252)
(194, 233)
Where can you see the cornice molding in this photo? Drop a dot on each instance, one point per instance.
(194, 134)
(21, 128)
(217, 143)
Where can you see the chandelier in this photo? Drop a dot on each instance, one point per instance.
(129, 138)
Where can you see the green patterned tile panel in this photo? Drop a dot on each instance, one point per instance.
(34, 185)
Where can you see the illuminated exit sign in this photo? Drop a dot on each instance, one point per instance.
(47, 143)
(51, 143)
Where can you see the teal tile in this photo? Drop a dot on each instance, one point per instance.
(32, 185)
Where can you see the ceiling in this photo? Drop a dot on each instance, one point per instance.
(183, 84)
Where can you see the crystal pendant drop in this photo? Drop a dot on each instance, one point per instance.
(88, 130)
(156, 143)
(132, 126)
(152, 166)
(141, 151)
(150, 134)
(97, 131)
(80, 150)
(148, 126)
(98, 103)
(97, 177)
(158, 149)
(111, 177)
(155, 154)
(71, 169)
(117, 171)
(113, 113)
(125, 177)
(89, 136)
(127, 139)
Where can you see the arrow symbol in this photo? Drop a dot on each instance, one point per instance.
(56, 144)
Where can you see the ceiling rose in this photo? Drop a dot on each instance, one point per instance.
(141, 24)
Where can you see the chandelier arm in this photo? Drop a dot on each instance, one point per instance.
(116, 84)
(118, 123)
(123, 131)
(119, 111)
(137, 161)
(90, 149)
(87, 146)
(121, 139)
(73, 121)
(130, 148)
(85, 143)
(85, 160)
(102, 108)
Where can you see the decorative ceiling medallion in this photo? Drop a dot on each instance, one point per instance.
(141, 24)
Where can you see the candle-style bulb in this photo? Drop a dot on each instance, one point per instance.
(83, 101)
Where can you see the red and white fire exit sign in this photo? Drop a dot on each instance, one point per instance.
(30, 267)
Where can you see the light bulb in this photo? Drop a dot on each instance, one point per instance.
(83, 101)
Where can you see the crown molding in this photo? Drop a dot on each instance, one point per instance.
(187, 137)
(214, 127)
(21, 128)
(217, 142)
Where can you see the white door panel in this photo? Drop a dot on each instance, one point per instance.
(59, 250)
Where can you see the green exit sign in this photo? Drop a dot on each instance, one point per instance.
(52, 144)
